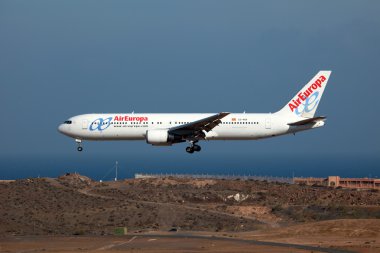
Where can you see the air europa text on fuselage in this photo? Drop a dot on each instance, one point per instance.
(129, 118)
(303, 95)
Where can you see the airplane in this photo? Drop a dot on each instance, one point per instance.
(166, 129)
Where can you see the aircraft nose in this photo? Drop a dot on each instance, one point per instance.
(61, 128)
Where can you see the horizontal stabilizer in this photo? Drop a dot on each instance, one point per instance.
(307, 121)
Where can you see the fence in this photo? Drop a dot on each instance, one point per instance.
(227, 177)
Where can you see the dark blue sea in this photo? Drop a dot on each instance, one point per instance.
(102, 167)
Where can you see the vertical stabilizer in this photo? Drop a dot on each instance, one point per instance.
(305, 102)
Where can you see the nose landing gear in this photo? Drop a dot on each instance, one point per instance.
(79, 142)
(193, 147)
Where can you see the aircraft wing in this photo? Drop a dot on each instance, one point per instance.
(307, 121)
(196, 128)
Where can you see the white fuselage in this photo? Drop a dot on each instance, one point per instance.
(236, 126)
(163, 129)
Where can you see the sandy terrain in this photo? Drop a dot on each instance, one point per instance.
(359, 235)
(77, 213)
(133, 244)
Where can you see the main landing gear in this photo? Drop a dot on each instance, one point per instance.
(79, 142)
(193, 147)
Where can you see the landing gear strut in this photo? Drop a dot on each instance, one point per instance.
(79, 142)
(193, 147)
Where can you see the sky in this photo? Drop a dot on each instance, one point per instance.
(63, 58)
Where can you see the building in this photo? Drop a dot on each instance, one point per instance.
(336, 181)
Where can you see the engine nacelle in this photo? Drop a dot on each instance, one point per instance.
(161, 137)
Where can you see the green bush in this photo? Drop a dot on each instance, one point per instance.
(119, 231)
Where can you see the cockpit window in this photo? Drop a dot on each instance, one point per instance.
(68, 122)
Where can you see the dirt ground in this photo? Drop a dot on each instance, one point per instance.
(358, 235)
(73, 213)
(138, 243)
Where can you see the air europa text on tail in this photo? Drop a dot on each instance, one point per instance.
(303, 95)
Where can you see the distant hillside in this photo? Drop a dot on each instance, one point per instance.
(74, 204)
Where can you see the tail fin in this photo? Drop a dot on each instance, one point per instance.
(305, 102)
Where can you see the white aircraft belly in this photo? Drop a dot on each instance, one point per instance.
(126, 132)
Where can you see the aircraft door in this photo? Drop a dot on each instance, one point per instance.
(268, 123)
(84, 124)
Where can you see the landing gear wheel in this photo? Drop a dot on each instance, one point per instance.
(79, 143)
(197, 148)
(190, 150)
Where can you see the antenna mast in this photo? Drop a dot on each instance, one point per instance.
(116, 165)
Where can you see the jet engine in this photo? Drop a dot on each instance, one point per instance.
(162, 137)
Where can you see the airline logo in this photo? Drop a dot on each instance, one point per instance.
(307, 100)
(128, 118)
(101, 124)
